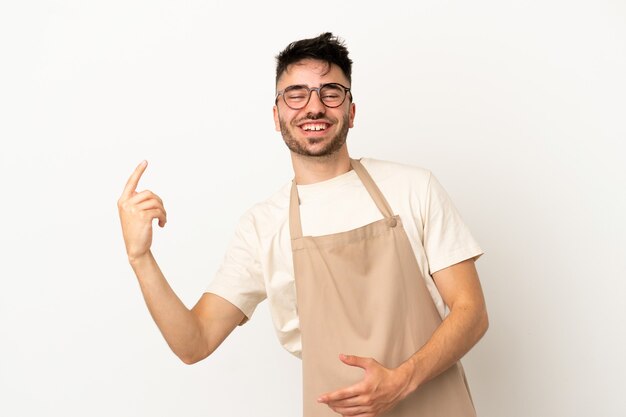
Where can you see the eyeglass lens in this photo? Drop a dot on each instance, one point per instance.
(297, 97)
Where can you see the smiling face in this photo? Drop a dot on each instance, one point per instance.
(315, 130)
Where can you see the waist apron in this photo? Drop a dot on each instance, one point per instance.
(361, 293)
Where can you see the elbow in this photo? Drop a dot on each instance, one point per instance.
(483, 324)
(193, 351)
(191, 359)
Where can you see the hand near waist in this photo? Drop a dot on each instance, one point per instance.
(379, 391)
(137, 210)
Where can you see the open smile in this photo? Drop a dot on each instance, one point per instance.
(314, 128)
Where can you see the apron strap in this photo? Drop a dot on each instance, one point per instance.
(372, 188)
(295, 224)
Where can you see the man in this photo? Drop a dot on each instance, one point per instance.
(358, 259)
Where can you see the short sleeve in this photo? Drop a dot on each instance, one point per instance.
(239, 279)
(447, 240)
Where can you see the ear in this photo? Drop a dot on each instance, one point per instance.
(351, 115)
(276, 119)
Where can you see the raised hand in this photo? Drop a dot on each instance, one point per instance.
(137, 210)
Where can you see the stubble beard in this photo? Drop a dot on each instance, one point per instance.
(331, 148)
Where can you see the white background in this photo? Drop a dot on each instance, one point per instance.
(518, 107)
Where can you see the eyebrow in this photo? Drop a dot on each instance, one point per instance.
(307, 86)
(296, 86)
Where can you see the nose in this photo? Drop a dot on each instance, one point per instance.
(315, 104)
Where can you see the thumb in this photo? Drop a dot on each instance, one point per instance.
(355, 361)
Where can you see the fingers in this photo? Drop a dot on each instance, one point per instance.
(342, 394)
(153, 206)
(361, 408)
(144, 206)
(347, 402)
(131, 184)
(356, 361)
(369, 397)
(149, 204)
(130, 204)
(154, 214)
(143, 196)
(360, 405)
(352, 411)
(351, 391)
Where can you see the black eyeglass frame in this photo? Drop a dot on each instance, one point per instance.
(347, 90)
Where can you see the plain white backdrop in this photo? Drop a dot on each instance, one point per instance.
(518, 107)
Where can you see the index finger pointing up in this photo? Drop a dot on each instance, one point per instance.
(131, 185)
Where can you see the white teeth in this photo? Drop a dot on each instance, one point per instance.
(315, 127)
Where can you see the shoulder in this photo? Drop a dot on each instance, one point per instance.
(266, 217)
(387, 173)
(388, 168)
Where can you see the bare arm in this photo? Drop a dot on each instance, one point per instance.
(191, 334)
(383, 388)
(460, 331)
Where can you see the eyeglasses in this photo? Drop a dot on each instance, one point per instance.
(297, 97)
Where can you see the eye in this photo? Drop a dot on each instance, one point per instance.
(296, 93)
(332, 93)
(295, 96)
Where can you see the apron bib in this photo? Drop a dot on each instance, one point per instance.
(361, 293)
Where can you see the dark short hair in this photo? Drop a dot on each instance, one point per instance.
(325, 47)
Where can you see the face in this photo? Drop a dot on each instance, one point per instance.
(315, 130)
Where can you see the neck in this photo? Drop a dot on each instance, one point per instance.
(311, 169)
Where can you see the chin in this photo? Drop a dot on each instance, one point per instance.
(315, 147)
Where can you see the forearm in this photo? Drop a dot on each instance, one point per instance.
(179, 326)
(456, 335)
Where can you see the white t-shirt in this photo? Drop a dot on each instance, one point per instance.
(259, 264)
